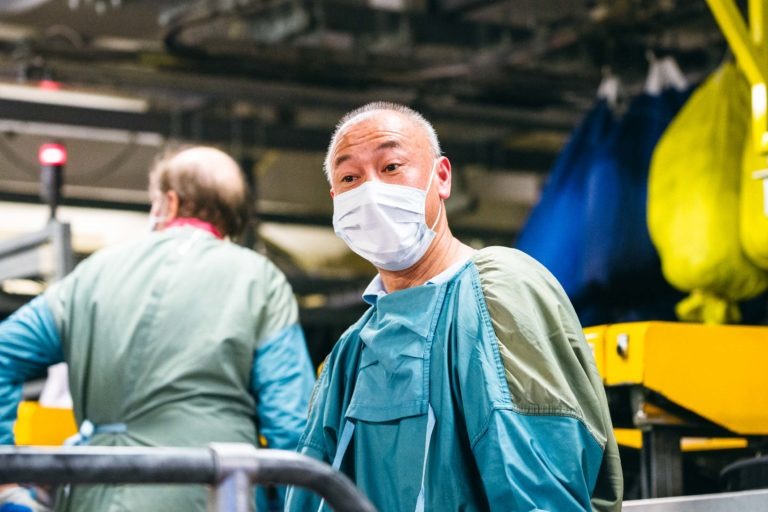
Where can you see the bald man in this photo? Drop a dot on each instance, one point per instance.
(181, 339)
(468, 384)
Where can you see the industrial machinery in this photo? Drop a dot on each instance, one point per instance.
(29, 256)
(676, 387)
(47, 255)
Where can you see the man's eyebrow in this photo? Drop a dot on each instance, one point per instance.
(341, 159)
(390, 144)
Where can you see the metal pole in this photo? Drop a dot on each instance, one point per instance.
(736, 32)
(234, 463)
(281, 467)
(106, 465)
(61, 235)
(758, 24)
(661, 463)
(231, 467)
(21, 255)
(748, 47)
(233, 493)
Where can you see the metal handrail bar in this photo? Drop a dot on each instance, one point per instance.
(748, 501)
(22, 249)
(106, 465)
(219, 465)
(25, 242)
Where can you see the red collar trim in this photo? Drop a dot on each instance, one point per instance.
(195, 223)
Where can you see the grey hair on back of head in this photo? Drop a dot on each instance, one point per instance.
(201, 194)
(362, 112)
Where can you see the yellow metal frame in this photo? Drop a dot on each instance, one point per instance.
(716, 371)
(633, 438)
(749, 47)
(595, 337)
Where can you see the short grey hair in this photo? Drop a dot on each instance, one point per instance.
(225, 204)
(360, 113)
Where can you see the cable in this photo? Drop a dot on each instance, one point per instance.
(95, 174)
(112, 166)
(206, 17)
(16, 159)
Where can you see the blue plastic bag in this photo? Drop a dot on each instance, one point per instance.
(589, 228)
(554, 231)
(622, 271)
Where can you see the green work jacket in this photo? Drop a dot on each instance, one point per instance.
(179, 339)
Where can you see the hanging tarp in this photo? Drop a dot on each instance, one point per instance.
(589, 227)
(622, 270)
(554, 231)
(693, 203)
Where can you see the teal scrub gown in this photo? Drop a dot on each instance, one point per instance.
(478, 392)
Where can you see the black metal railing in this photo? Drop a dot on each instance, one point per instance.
(232, 468)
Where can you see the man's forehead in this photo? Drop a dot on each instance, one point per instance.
(377, 120)
(377, 130)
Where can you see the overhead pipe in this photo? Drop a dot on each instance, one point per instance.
(19, 6)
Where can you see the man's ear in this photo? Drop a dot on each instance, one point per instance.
(443, 172)
(172, 200)
(333, 194)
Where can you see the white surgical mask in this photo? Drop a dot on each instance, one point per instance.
(385, 223)
(156, 220)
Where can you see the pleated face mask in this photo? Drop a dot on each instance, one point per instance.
(385, 223)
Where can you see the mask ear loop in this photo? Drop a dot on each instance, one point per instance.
(440, 210)
(437, 219)
(155, 220)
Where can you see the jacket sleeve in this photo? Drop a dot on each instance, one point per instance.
(29, 344)
(313, 442)
(281, 377)
(530, 462)
(548, 443)
(281, 382)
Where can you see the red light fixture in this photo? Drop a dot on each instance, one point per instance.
(49, 85)
(52, 154)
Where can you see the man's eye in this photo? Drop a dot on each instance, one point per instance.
(391, 167)
(347, 179)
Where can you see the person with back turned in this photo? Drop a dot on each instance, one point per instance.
(180, 339)
(467, 384)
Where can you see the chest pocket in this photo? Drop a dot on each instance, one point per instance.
(389, 412)
(389, 409)
(392, 379)
(393, 376)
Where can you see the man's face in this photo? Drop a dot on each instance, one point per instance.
(386, 146)
(382, 146)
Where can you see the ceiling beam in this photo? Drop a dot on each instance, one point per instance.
(216, 129)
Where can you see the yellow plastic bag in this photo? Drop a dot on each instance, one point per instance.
(693, 201)
(754, 206)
